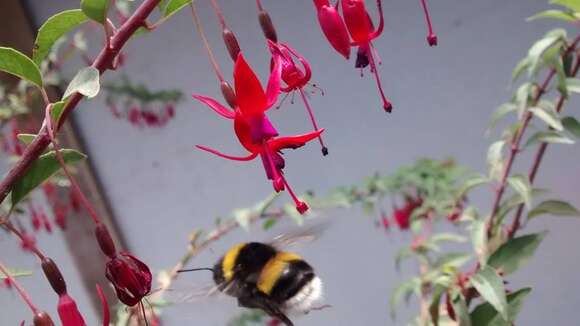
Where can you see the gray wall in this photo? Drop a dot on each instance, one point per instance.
(161, 188)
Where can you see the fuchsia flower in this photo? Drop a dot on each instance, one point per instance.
(402, 216)
(295, 78)
(333, 27)
(130, 277)
(361, 30)
(253, 128)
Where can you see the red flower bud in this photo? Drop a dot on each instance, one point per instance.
(28, 241)
(54, 276)
(68, 312)
(130, 277)
(334, 29)
(105, 241)
(42, 319)
(267, 26)
(231, 43)
(228, 94)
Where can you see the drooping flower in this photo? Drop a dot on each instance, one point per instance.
(130, 277)
(296, 79)
(402, 216)
(361, 30)
(253, 128)
(333, 27)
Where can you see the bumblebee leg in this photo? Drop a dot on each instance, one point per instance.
(260, 301)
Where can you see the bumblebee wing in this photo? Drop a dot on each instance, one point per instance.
(300, 235)
(193, 294)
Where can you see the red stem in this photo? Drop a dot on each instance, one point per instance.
(218, 13)
(20, 289)
(20, 236)
(538, 160)
(259, 4)
(311, 114)
(81, 196)
(516, 140)
(102, 63)
(201, 33)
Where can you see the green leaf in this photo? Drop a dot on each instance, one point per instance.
(401, 255)
(174, 6)
(573, 5)
(573, 85)
(17, 64)
(486, 315)
(86, 82)
(554, 207)
(471, 183)
(549, 116)
(554, 14)
(26, 138)
(461, 310)
(54, 28)
(40, 170)
(269, 223)
(572, 126)
(521, 184)
(453, 259)
(549, 136)
(494, 159)
(56, 111)
(242, 217)
(520, 68)
(15, 273)
(513, 254)
(501, 112)
(95, 9)
(479, 240)
(434, 307)
(450, 237)
(544, 49)
(490, 286)
(404, 290)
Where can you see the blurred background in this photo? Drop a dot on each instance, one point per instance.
(159, 188)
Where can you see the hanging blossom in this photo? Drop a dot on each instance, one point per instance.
(253, 128)
(296, 78)
(356, 20)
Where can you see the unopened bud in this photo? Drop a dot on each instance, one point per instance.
(228, 94)
(42, 319)
(53, 275)
(267, 26)
(105, 241)
(231, 43)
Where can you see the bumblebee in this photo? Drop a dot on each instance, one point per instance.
(263, 277)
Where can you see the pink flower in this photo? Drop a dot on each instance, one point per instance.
(333, 27)
(68, 311)
(130, 277)
(253, 128)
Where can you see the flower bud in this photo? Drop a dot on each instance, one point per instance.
(231, 43)
(267, 26)
(105, 241)
(228, 94)
(53, 275)
(42, 319)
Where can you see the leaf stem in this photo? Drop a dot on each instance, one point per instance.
(201, 33)
(102, 63)
(23, 294)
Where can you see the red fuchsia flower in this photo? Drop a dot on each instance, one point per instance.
(130, 277)
(296, 79)
(361, 30)
(134, 116)
(402, 216)
(60, 212)
(68, 311)
(385, 221)
(253, 128)
(333, 27)
(431, 37)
